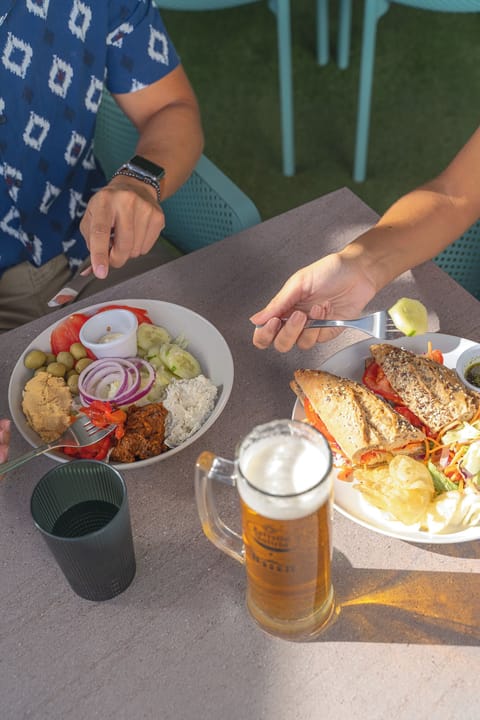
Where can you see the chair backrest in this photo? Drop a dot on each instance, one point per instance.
(461, 260)
(207, 208)
(442, 5)
(281, 10)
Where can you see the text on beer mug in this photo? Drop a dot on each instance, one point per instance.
(283, 475)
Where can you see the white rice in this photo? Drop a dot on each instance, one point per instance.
(189, 403)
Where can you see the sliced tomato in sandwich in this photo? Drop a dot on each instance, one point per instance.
(314, 419)
(412, 418)
(344, 472)
(375, 379)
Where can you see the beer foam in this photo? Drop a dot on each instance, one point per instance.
(284, 465)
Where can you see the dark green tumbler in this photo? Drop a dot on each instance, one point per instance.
(81, 510)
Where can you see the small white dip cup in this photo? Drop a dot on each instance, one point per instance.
(110, 334)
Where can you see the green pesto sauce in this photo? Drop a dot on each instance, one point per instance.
(472, 374)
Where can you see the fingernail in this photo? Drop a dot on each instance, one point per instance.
(297, 316)
(101, 271)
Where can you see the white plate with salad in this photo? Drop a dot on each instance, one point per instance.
(350, 362)
(202, 340)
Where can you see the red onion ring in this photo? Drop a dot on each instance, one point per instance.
(95, 380)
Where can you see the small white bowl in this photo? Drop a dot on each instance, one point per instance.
(111, 333)
(469, 357)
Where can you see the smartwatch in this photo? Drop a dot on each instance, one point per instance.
(144, 170)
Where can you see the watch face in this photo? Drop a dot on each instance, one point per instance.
(146, 166)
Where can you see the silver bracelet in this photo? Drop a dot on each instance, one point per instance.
(142, 178)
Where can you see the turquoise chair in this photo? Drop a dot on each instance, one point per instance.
(281, 9)
(207, 208)
(373, 11)
(461, 260)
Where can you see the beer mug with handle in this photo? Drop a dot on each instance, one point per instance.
(283, 475)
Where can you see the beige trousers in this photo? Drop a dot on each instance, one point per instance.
(25, 290)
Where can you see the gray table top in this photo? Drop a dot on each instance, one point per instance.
(179, 644)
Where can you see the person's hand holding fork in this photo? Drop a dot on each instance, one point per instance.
(334, 287)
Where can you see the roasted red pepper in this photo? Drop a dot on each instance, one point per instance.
(102, 413)
(97, 451)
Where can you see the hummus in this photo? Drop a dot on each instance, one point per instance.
(47, 405)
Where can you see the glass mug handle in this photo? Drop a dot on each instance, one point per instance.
(210, 468)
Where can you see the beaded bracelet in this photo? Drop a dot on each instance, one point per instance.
(142, 178)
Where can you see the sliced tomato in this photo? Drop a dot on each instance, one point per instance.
(372, 457)
(436, 355)
(314, 419)
(412, 418)
(66, 333)
(142, 315)
(375, 379)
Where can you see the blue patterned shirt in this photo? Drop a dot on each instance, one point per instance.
(55, 57)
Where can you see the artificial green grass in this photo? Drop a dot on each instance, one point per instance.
(426, 99)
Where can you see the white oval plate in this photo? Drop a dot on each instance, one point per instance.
(204, 341)
(350, 362)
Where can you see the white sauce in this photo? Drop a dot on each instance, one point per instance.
(110, 337)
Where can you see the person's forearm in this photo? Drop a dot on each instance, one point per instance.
(167, 117)
(416, 228)
(173, 138)
(422, 223)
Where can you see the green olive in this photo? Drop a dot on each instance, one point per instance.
(82, 364)
(71, 372)
(72, 383)
(78, 351)
(40, 370)
(57, 369)
(34, 359)
(66, 359)
(50, 358)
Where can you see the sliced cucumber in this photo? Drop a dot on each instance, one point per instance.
(149, 336)
(409, 316)
(179, 361)
(163, 377)
(153, 357)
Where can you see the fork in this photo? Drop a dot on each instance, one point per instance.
(80, 433)
(377, 324)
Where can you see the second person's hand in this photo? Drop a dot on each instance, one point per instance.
(128, 209)
(333, 287)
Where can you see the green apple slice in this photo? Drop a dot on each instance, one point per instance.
(409, 316)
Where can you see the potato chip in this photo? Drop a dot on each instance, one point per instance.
(404, 488)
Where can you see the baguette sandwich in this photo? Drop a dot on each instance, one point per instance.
(356, 421)
(430, 390)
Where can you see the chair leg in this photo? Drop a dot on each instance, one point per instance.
(284, 39)
(344, 33)
(374, 9)
(323, 32)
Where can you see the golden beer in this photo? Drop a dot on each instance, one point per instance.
(283, 475)
(288, 571)
(287, 537)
